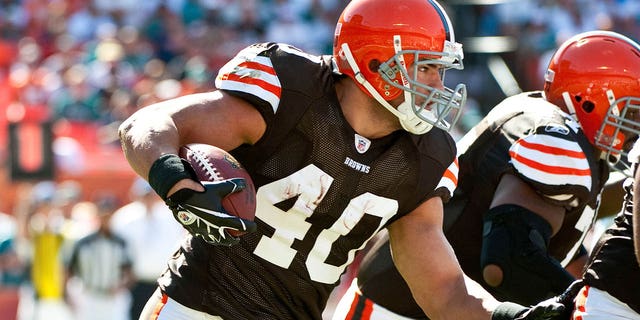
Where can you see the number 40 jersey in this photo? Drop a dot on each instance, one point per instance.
(322, 192)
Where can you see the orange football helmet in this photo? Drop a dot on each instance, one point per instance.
(597, 76)
(377, 41)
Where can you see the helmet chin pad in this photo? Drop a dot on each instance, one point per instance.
(410, 122)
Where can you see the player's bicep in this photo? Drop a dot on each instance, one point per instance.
(219, 119)
(513, 190)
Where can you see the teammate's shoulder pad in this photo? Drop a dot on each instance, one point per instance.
(554, 164)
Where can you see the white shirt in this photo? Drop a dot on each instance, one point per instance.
(152, 237)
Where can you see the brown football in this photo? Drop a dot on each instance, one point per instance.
(214, 164)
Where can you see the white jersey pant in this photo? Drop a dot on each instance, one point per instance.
(353, 306)
(161, 307)
(595, 304)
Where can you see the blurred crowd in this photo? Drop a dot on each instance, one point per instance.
(63, 257)
(541, 25)
(100, 60)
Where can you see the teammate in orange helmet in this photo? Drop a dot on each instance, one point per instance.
(612, 274)
(339, 147)
(531, 174)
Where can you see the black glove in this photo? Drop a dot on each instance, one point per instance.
(559, 307)
(568, 297)
(202, 214)
(545, 310)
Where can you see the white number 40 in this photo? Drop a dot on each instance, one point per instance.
(310, 185)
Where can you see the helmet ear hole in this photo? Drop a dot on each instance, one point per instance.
(588, 106)
(374, 65)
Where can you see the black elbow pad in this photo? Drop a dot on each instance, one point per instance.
(516, 240)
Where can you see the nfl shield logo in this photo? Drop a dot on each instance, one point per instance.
(185, 217)
(362, 143)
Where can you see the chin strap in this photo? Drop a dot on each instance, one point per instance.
(408, 122)
(570, 107)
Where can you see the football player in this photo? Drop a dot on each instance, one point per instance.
(612, 275)
(339, 147)
(530, 177)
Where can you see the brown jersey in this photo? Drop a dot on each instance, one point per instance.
(612, 265)
(322, 192)
(525, 136)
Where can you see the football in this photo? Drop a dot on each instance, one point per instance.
(214, 164)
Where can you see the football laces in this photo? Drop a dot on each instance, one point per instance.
(205, 164)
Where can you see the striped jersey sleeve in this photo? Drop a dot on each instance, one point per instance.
(251, 73)
(449, 179)
(555, 166)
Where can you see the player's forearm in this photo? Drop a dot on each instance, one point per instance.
(427, 263)
(465, 299)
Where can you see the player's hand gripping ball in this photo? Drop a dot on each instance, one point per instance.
(214, 164)
(229, 194)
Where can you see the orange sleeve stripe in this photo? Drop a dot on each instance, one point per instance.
(450, 175)
(368, 309)
(547, 168)
(257, 66)
(276, 90)
(552, 150)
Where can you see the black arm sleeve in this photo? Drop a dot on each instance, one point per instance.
(516, 240)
